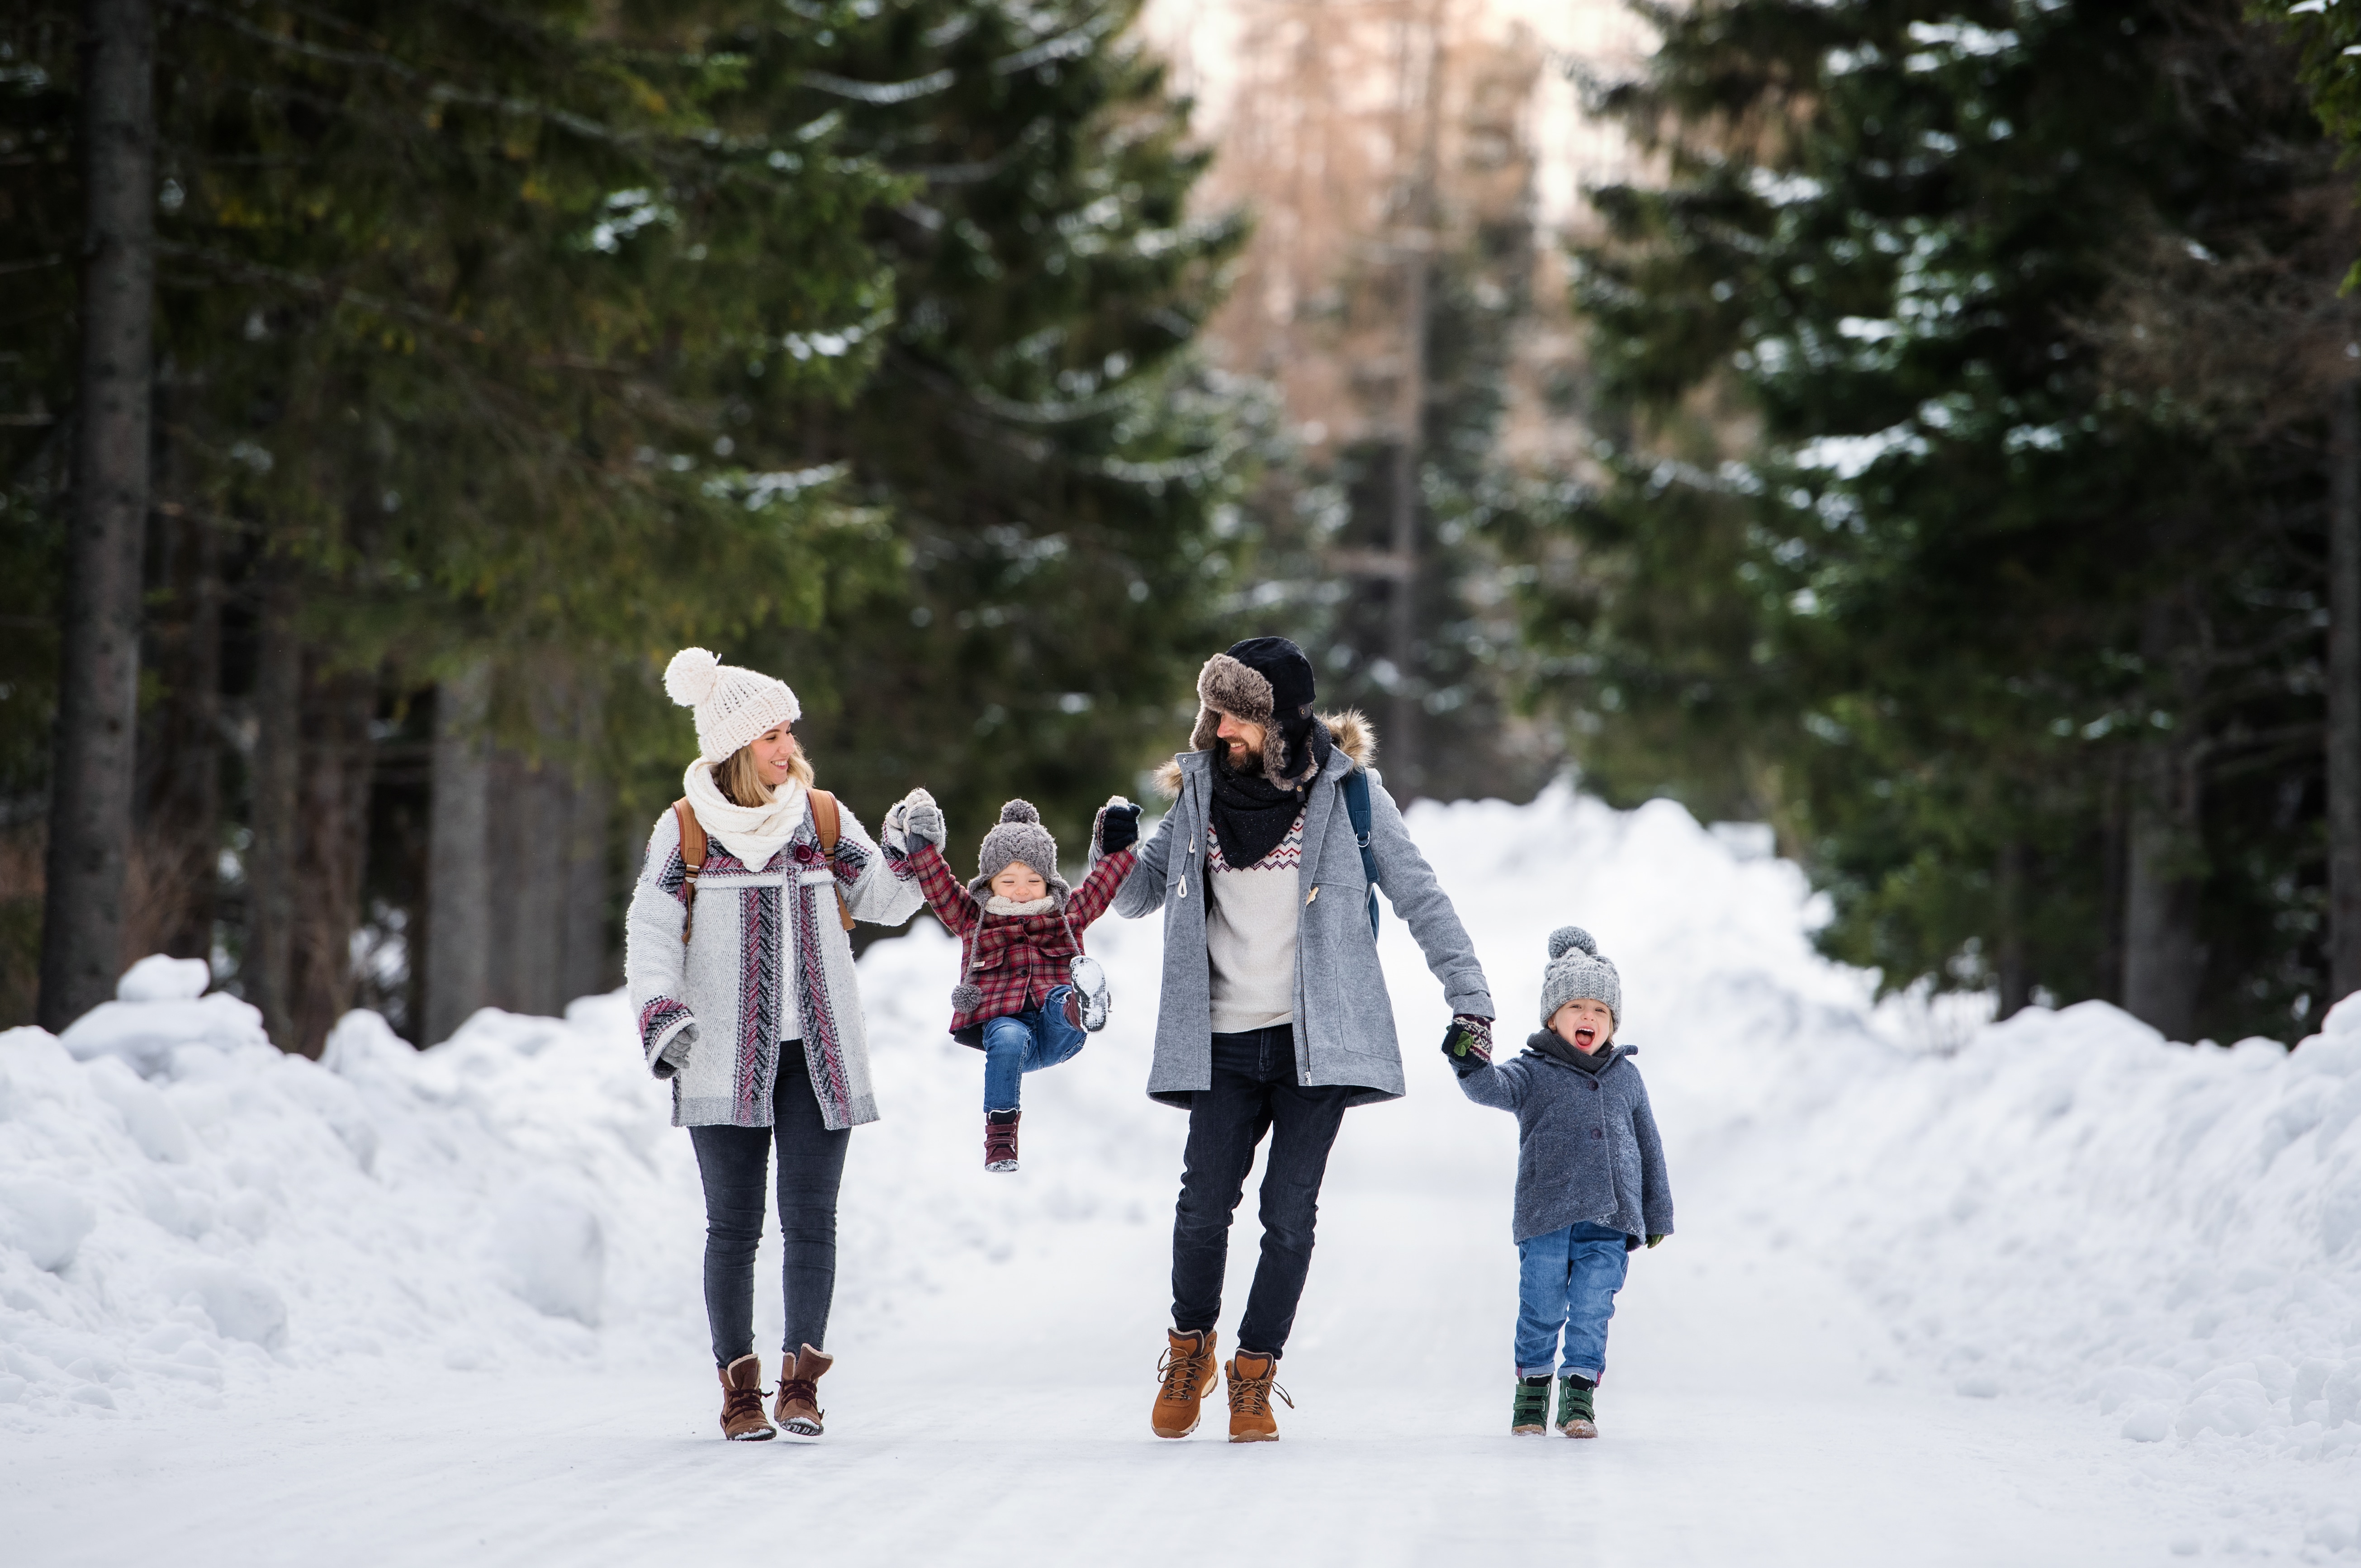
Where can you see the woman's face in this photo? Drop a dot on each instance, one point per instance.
(773, 750)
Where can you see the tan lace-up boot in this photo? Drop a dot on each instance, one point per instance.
(741, 1402)
(1188, 1373)
(798, 1410)
(1251, 1419)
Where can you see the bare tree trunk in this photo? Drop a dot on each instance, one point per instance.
(2013, 971)
(2114, 873)
(458, 879)
(587, 877)
(268, 971)
(1416, 244)
(2345, 693)
(332, 838)
(91, 776)
(175, 861)
(2163, 960)
(530, 855)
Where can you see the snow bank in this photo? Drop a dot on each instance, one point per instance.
(2064, 1208)
(236, 1211)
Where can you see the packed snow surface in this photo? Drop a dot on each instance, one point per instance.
(2055, 1291)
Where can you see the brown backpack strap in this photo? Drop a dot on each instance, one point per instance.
(829, 827)
(692, 861)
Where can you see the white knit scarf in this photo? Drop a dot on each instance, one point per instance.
(753, 833)
(996, 905)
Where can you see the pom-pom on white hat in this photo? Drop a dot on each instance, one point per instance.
(1578, 972)
(732, 706)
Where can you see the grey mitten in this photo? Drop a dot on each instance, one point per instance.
(922, 819)
(673, 1057)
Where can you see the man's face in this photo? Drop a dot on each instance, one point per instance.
(1241, 742)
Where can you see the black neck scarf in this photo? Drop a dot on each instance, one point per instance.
(1250, 813)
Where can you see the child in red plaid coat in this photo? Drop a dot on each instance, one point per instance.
(1027, 996)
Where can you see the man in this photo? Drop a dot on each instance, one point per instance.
(1274, 1016)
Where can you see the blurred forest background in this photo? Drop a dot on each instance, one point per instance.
(1931, 433)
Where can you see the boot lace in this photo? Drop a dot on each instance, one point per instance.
(1251, 1395)
(800, 1391)
(739, 1403)
(1182, 1374)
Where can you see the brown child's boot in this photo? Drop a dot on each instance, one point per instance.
(1250, 1390)
(798, 1408)
(1000, 1139)
(741, 1402)
(1188, 1373)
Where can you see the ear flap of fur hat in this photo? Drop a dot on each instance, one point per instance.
(1266, 681)
(1578, 972)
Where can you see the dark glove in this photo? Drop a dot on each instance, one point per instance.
(1654, 1239)
(1467, 1044)
(1118, 828)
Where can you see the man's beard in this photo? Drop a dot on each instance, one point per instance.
(1241, 759)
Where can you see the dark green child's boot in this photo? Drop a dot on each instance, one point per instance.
(1577, 1417)
(1531, 1412)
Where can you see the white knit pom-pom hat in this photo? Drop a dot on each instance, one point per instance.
(732, 706)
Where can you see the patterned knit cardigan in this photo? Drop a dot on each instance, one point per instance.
(755, 931)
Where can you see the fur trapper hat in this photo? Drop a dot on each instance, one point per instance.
(732, 706)
(1266, 681)
(1020, 837)
(1577, 972)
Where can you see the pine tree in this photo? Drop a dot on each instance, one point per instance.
(1893, 558)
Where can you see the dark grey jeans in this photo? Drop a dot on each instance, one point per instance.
(1253, 1091)
(734, 1162)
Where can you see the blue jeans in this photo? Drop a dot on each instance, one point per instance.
(1026, 1042)
(1567, 1280)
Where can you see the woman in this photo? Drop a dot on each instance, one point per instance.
(742, 978)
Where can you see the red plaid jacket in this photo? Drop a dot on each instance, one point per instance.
(1015, 959)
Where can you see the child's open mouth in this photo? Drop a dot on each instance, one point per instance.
(1584, 1040)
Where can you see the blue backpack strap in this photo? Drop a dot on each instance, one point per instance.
(1356, 808)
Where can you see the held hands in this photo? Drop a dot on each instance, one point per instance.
(1467, 1044)
(1118, 826)
(915, 819)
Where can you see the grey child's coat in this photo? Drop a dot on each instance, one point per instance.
(1587, 1143)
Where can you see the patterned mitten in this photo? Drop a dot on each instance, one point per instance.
(1467, 1044)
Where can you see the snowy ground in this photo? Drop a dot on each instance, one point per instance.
(2064, 1294)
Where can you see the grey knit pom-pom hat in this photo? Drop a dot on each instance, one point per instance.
(1020, 837)
(1578, 972)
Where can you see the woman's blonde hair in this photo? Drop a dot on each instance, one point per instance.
(740, 778)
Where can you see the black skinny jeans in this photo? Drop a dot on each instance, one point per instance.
(1253, 1091)
(734, 1162)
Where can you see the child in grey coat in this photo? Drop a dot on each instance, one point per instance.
(1590, 1177)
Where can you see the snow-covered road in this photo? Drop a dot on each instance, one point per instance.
(1874, 1340)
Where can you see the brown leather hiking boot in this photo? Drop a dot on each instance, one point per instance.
(741, 1402)
(1250, 1390)
(1000, 1139)
(798, 1408)
(1188, 1373)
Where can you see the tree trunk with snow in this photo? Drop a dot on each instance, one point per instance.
(2345, 693)
(90, 783)
(457, 946)
(2012, 968)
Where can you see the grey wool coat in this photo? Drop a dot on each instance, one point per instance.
(1587, 1143)
(1344, 1019)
